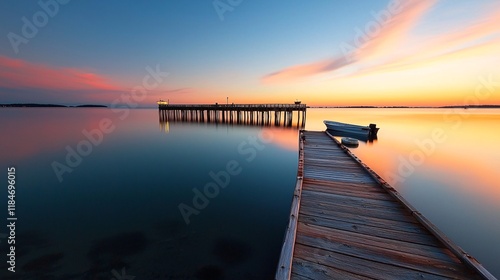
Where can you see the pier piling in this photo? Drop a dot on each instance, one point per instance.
(244, 114)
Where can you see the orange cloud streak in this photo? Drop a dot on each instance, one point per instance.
(394, 30)
(451, 45)
(17, 73)
(389, 34)
(305, 70)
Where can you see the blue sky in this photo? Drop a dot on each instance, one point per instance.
(207, 58)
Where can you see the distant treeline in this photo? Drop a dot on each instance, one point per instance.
(473, 106)
(358, 107)
(51, 105)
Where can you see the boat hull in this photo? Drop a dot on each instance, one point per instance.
(338, 127)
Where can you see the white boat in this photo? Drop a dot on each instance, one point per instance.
(349, 142)
(372, 129)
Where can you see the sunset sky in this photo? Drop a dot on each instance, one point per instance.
(371, 52)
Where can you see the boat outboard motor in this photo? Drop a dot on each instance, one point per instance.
(373, 129)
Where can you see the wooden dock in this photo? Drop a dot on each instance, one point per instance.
(245, 114)
(347, 223)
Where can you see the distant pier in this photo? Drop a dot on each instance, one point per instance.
(348, 223)
(244, 114)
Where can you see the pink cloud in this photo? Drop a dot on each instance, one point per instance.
(464, 41)
(394, 30)
(389, 35)
(300, 71)
(17, 73)
(42, 83)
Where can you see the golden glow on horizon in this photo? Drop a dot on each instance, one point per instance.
(413, 70)
(465, 134)
(407, 63)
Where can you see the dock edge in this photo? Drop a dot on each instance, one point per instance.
(284, 270)
(463, 256)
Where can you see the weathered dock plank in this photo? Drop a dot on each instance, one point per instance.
(350, 224)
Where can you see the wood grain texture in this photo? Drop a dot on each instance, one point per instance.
(351, 225)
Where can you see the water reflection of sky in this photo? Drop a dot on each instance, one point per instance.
(455, 185)
(119, 207)
(129, 188)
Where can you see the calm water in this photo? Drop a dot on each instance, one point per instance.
(117, 211)
(119, 207)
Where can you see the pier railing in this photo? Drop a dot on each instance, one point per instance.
(272, 107)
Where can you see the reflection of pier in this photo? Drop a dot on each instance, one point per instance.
(244, 114)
